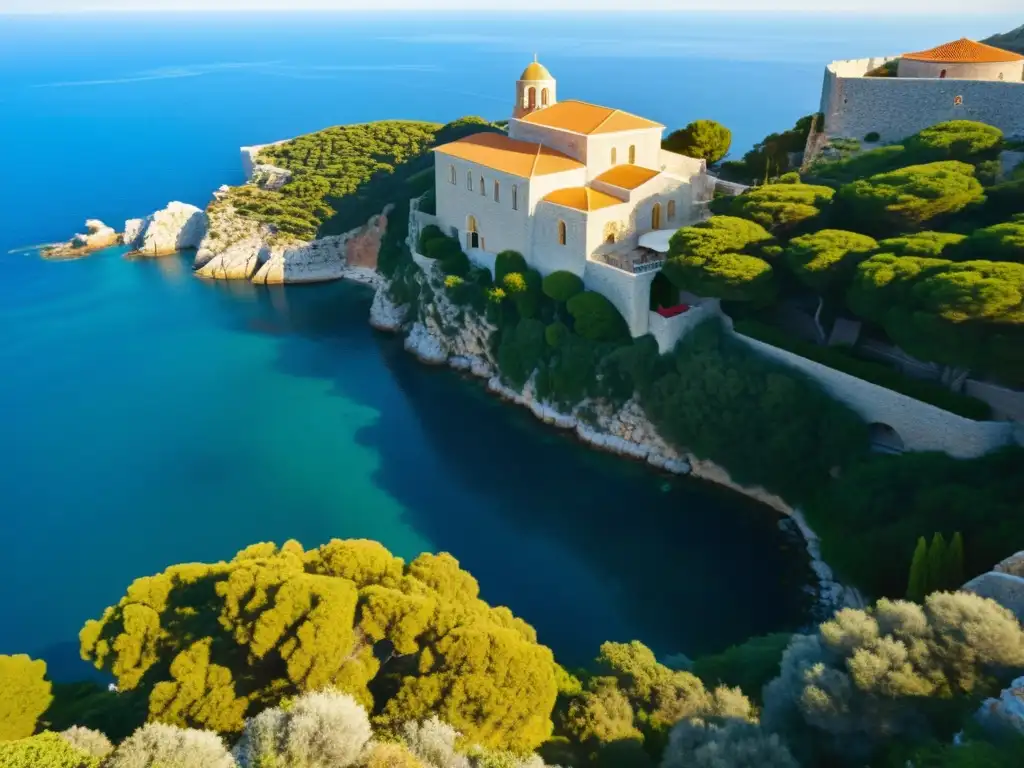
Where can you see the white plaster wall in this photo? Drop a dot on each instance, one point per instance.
(523, 95)
(599, 149)
(667, 331)
(501, 227)
(1007, 71)
(547, 254)
(921, 426)
(572, 144)
(897, 107)
(620, 216)
(540, 186)
(631, 294)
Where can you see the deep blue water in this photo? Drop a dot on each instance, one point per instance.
(150, 418)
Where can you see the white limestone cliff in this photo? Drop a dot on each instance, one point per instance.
(1004, 715)
(175, 228)
(97, 236)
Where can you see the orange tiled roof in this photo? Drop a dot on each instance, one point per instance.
(518, 158)
(964, 51)
(627, 176)
(581, 198)
(587, 119)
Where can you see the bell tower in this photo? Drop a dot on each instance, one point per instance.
(535, 89)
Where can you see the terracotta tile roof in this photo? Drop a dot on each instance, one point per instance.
(587, 119)
(581, 198)
(962, 51)
(627, 176)
(518, 158)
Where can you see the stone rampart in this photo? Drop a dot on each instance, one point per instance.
(667, 331)
(630, 293)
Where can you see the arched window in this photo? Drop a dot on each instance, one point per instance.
(609, 232)
(614, 153)
(942, 74)
(469, 180)
(561, 233)
(483, 187)
(656, 216)
(515, 197)
(451, 174)
(671, 210)
(473, 239)
(543, 97)
(531, 98)
(497, 194)
(632, 154)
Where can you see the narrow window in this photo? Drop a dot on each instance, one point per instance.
(942, 74)
(451, 174)
(671, 210)
(656, 216)
(483, 187)
(543, 97)
(469, 180)
(531, 98)
(497, 194)
(515, 197)
(614, 154)
(632, 154)
(561, 233)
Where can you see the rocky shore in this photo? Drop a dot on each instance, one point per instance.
(442, 335)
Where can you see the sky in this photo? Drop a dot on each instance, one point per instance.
(893, 6)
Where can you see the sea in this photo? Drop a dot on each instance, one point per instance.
(149, 418)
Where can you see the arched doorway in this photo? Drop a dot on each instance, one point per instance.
(472, 236)
(884, 439)
(656, 216)
(663, 293)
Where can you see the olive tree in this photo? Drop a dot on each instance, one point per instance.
(703, 139)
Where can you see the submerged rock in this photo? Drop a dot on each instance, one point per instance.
(177, 227)
(97, 236)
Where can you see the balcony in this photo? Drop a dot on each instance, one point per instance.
(638, 261)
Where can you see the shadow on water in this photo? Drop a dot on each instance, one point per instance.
(585, 546)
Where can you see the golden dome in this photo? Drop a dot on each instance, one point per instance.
(536, 71)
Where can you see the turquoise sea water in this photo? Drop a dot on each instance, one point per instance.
(150, 418)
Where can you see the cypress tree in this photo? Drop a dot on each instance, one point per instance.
(917, 584)
(955, 562)
(936, 564)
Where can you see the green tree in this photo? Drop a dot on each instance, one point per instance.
(47, 750)
(507, 262)
(747, 666)
(561, 286)
(595, 318)
(703, 139)
(931, 245)
(208, 644)
(953, 571)
(999, 242)
(937, 562)
(719, 258)
(908, 198)
(825, 261)
(781, 208)
(25, 693)
(964, 140)
(917, 584)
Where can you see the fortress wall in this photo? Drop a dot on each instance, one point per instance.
(667, 331)
(898, 107)
(631, 294)
(921, 426)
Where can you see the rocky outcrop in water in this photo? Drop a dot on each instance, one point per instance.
(177, 227)
(1004, 715)
(97, 236)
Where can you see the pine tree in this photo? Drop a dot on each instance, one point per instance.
(917, 584)
(936, 564)
(955, 562)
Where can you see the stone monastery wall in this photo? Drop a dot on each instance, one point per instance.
(896, 107)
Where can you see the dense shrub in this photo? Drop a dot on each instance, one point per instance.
(770, 156)
(507, 262)
(871, 519)
(697, 744)
(703, 139)
(876, 373)
(859, 166)
(427, 234)
(561, 286)
(1000, 242)
(595, 318)
(768, 424)
(25, 693)
(228, 643)
(522, 349)
(782, 208)
(157, 745)
(747, 666)
(47, 750)
(931, 245)
(825, 261)
(86, 740)
(964, 140)
(441, 247)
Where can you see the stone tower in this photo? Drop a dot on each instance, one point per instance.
(535, 89)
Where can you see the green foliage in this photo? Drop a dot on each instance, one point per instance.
(932, 245)
(157, 745)
(770, 157)
(556, 334)
(522, 349)
(860, 166)
(876, 373)
(93, 743)
(717, 258)
(965, 754)
(917, 583)
(1000, 242)
(697, 744)
(968, 314)
(703, 139)
(24, 695)
(93, 706)
(747, 666)
(767, 423)
(507, 262)
(872, 517)
(825, 260)
(427, 234)
(47, 750)
(937, 563)
(936, 567)
(964, 140)
(782, 208)
(561, 286)
(895, 672)
(907, 198)
(595, 318)
(208, 644)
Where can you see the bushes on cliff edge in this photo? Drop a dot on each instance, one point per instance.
(507, 262)
(25, 693)
(595, 318)
(561, 286)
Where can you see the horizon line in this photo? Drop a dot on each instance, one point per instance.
(386, 7)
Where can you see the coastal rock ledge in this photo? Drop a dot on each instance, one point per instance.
(96, 237)
(177, 227)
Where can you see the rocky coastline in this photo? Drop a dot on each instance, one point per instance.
(436, 337)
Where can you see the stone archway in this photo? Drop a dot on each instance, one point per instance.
(884, 438)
